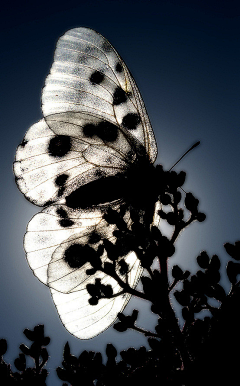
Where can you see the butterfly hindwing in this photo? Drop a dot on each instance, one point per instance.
(85, 321)
(49, 229)
(57, 244)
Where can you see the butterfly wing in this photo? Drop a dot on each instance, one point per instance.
(95, 128)
(54, 238)
(48, 167)
(90, 82)
(85, 321)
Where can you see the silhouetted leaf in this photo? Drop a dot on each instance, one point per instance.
(109, 268)
(20, 362)
(182, 297)
(181, 178)
(233, 250)
(201, 217)
(120, 327)
(203, 260)
(107, 290)
(191, 202)
(233, 270)
(66, 352)
(135, 315)
(165, 199)
(46, 340)
(111, 351)
(171, 218)
(162, 214)
(219, 292)
(177, 272)
(123, 267)
(93, 301)
(215, 263)
(29, 334)
(62, 374)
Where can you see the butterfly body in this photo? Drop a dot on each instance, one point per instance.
(93, 151)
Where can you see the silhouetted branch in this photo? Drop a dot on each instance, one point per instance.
(27, 376)
(201, 352)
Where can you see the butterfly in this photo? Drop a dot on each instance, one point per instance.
(93, 150)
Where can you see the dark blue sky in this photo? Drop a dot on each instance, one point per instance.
(184, 56)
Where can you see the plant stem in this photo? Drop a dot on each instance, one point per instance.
(170, 314)
(126, 287)
(146, 333)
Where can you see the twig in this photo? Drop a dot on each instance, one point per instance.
(146, 333)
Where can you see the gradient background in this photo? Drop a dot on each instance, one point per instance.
(185, 58)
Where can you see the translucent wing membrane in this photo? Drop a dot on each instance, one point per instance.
(53, 227)
(49, 167)
(86, 321)
(84, 157)
(53, 238)
(88, 76)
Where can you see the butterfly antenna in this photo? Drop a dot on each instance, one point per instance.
(191, 148)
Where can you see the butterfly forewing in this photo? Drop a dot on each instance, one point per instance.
(76, 162)
(48, 166)
(88, 76)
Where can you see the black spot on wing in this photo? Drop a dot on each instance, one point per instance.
(59, 145)
(119, 96)
(97, 77)
(66, 222)
(61, 190)
(89, 130)
(62, 212)
(107, 131)
(61, 179)
(119, 67)
(104, 130)
(130, 121)
(76, 255)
